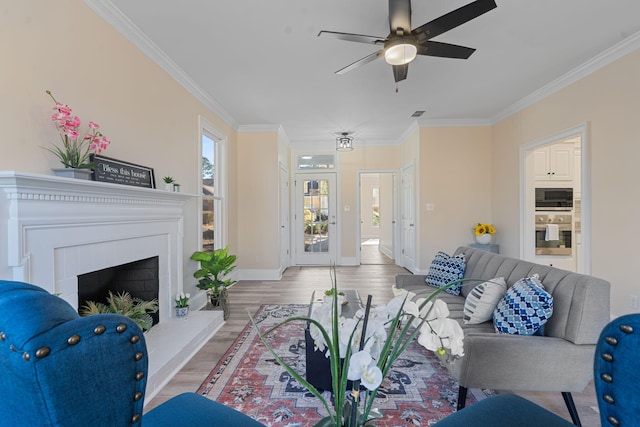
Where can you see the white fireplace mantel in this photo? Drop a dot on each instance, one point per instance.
(53, 229)
(58, 228)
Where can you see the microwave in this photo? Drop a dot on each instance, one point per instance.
(554, 199)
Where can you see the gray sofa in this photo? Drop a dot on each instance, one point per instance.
(561, 360)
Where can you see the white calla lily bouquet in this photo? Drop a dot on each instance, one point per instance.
(363, 349)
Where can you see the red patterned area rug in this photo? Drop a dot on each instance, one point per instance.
(418, 392)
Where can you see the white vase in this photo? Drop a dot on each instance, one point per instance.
(483, 239)
(168, 186)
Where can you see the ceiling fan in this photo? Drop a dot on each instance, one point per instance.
(402, 44)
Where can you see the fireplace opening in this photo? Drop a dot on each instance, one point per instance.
(138, 278)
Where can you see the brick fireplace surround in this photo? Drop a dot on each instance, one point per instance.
(54, 229)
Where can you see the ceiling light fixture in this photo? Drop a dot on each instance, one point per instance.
(400, 51)
(344, 142)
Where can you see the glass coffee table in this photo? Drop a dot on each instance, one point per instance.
(318, 367)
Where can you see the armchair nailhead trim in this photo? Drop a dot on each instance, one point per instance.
(12, 347)
(135, 339)
(43, 352)
(99, 330)
(627, 329)
(121, 328)
(139, 355)
(611, 340)
(606, 378)
(135, 418)
(2, 336)
(73, 340)
(609, 399)
(137, 396)
(139, 376)
(26, 356)
(613, 421)
(607, 357)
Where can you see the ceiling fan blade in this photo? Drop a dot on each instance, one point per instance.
(444, 50)
(453, 19)
(353, 37)
(400, 72)
(361, 62)
(400, 15)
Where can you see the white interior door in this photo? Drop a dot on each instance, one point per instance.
(407, 218)
(284, 219)
(315, 219)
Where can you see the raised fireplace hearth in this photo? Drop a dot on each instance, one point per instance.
(55, 229)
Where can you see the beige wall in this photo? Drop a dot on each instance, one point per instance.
(455, 176)
(63, 46)
(258, 210)
(608, 101)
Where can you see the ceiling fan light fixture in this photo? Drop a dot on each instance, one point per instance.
(400, 52)
(344, 142)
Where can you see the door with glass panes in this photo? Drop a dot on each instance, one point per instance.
(315, 219)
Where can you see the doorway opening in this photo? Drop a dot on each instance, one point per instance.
(377, 218)
(556, 232)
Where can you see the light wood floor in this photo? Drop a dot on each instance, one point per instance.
(296, 287)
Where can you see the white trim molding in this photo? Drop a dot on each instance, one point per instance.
(119, 21)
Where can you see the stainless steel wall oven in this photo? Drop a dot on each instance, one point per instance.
(554, 235)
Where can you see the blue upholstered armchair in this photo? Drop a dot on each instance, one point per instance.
(617, 383)
(60, 369)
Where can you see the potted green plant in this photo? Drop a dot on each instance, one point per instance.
(214, 267)
(123, 303)
(168, 183)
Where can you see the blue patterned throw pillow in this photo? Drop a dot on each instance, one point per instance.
(445, 269)
(524, 309)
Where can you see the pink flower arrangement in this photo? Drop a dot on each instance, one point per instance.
(76, 150)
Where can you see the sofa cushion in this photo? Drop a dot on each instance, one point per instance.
(445, 269)
(524, 308)
(482, 301)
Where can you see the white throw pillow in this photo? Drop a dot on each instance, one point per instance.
(482, 300)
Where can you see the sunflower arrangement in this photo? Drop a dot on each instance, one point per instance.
(481, 229)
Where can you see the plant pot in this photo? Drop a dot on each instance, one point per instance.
(181, 312)
(220, 300)
(73, 173)
(168, 187)
(483, 239)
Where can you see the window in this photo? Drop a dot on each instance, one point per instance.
(315, 161)
(213, 188)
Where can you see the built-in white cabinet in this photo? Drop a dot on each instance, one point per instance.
(555, 163)
(563, 262)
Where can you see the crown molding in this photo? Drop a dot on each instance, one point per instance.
(118, 20)
(454, 122)
(599, 61)
(259, 128)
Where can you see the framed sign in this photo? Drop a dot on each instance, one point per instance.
(118, 172)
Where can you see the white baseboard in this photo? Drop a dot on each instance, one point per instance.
(386, 251)
(247, 274)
